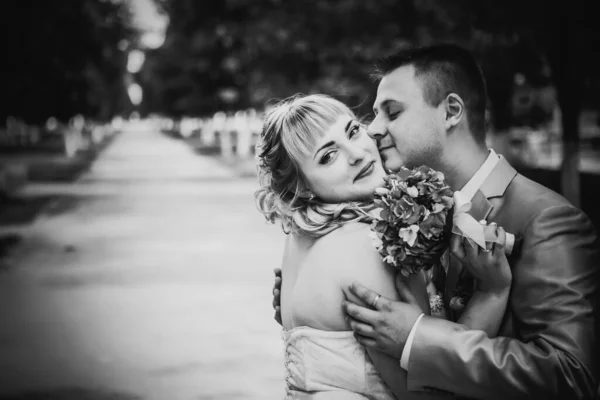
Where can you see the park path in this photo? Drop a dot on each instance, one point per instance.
(149, 279)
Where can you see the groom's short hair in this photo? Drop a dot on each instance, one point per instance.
(444, 69)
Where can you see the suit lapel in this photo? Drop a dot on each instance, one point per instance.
(480, 206)
(498, 180)
(494, 186)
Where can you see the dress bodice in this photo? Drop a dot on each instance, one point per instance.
(329, 365)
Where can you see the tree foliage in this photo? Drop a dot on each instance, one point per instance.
(267, 49)
(64, 58)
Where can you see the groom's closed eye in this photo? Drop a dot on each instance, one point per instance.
(392, 108)
(394, 114)
(394, 111)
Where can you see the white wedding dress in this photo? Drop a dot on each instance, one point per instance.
(323, 365)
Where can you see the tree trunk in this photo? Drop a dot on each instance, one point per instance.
(569, 83)
(569, 173)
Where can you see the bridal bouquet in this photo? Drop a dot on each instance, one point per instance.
(409, 228)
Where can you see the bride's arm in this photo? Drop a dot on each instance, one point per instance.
(493, 278)
(361, 262)
(484, 311)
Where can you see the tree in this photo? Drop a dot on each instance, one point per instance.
(269, 49)
(537, 34)
(64, 58)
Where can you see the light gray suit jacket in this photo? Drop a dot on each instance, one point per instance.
(548, 342)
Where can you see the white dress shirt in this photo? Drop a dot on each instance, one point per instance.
(468, 191)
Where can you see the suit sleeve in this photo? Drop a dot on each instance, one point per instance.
(555, 316)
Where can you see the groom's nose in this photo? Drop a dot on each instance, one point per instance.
(376, 130)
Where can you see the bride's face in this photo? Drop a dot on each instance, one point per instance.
(344, 164)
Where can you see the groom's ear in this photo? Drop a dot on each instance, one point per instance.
(454, 109)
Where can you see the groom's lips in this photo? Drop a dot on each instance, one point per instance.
(382, 148)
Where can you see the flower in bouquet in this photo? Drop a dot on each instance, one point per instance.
(409, 229)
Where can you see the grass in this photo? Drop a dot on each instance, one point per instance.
(42, 166)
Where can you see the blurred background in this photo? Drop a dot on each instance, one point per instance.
(133, 263)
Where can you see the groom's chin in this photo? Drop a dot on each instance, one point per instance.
(392, 165)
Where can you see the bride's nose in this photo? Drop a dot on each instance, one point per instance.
(355, 154)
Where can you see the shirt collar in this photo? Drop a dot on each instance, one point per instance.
(471, 188)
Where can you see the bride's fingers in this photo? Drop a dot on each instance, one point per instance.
(456, 247)
(276, 298)
(471, 249)
(501, 239)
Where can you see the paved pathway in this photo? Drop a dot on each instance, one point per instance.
(150, 279)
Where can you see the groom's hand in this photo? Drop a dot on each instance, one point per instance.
(386, 326)
(277, 295)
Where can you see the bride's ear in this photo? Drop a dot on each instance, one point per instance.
(454, 108)
(306, 194)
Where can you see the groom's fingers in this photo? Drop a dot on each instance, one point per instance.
(360, 313)
(367, 295)
(365, 341)
(360, 328)
(277, 315)
(277, 284)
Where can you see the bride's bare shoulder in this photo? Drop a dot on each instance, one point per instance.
(352, 231)
(349, 241)
(348, 255)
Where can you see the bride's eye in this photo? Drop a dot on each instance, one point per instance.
(355, 130)
(327, 157)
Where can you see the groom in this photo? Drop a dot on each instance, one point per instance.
(430, 109)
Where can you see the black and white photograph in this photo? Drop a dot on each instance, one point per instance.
(300, 200)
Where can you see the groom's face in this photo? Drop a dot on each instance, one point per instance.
(408, 130)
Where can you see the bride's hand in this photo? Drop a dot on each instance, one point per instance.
(489, 268)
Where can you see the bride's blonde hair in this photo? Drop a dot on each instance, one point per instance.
(290, 130)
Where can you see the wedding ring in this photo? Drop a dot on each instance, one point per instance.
(375, 300)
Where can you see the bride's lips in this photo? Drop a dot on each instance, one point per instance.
(366, 171)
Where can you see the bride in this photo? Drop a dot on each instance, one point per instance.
(318, 170)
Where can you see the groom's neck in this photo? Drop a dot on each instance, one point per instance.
(462, 160)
